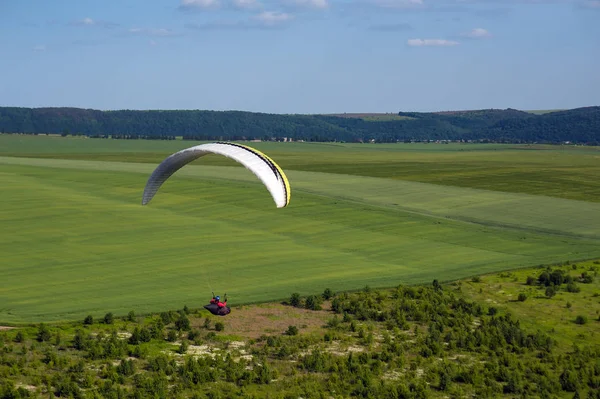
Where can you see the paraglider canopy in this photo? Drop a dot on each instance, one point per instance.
(261, 165)
(216, 310)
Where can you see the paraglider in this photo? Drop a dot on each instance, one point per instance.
(261, 165)
(218, 307)
(269, 173)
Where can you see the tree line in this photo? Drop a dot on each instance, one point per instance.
(580, 125)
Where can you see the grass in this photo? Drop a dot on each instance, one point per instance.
(568, 172)
(550, 315)
(76, 241)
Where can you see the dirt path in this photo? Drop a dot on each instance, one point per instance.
(6, 328)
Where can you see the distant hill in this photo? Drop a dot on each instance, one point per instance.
(580, 125)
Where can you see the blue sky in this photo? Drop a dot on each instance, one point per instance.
(300, 56)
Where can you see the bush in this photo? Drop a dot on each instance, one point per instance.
(313, 302)
(183, 323)
(327, 294)
(184, 347)
(295, 300)
(219, 326)
(109, 318)
(131, 316)
(292, 330)
(88, 320)
(522, 297)
(165, 317)
(43, 333)
(172, 336)
(587, 278)
(572, 287)
(476, 279)
(581, 319)
(530, 280)
(550, 292)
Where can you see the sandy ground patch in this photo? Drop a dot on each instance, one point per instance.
(6, 328)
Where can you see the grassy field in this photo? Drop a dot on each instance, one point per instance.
(556, 315)
(76, 241)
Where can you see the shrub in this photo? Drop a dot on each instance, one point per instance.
(219, 326)
(295, 300)
(109, 318)
(530, 280)
(165, 317)
(522, 297)
(172, 336)
(183, 323)
(327, 294)
(183, 347)
(581, 319)
(313, 302)
(292, 330)
(587, 278)
(550, 292)
(43, 333)
(131, 316)
(476, 279)
(572, 287)
(88, 320)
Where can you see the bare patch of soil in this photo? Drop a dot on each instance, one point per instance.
(6, 328)
(253, 321)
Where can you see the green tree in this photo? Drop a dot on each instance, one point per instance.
(109, 318)
(522, 297)
(182, 323)
(43, 333)
(292, 330)
(295, 300)
(327, 294)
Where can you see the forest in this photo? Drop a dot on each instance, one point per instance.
(579, 126)
(406, 342)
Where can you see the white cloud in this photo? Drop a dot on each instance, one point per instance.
(39, 47)
(477, 33)
(273, 17)
(430, 42)
(87, 21)
(320, 4)
(188, 4)
(399, 3)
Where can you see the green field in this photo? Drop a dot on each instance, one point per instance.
(76, 241)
